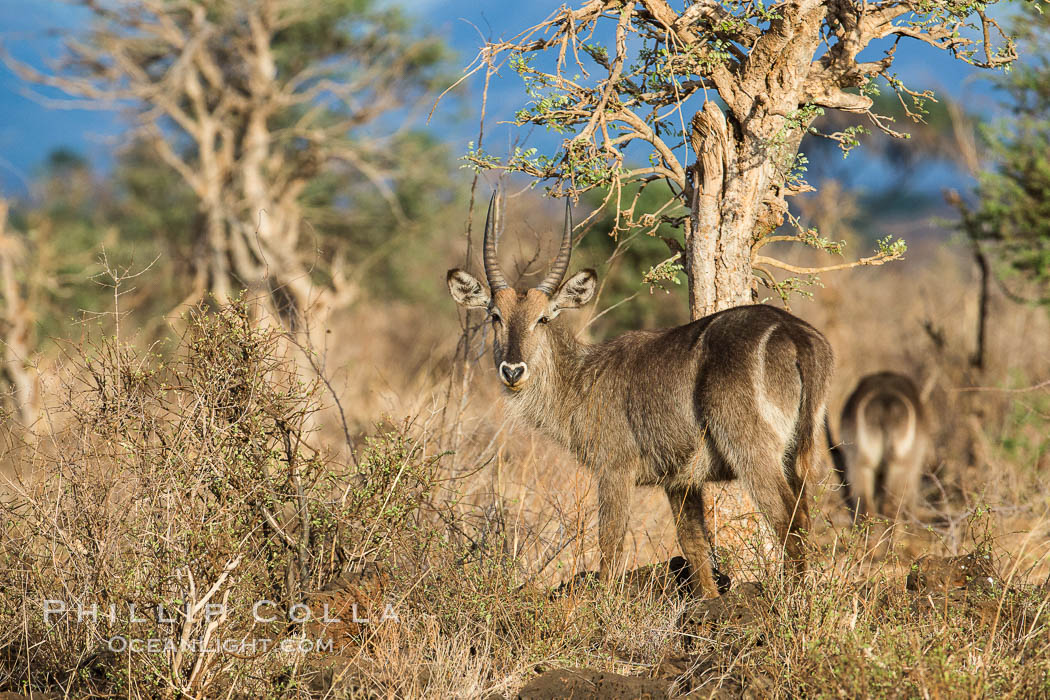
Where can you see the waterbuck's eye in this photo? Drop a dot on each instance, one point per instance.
(544, 319)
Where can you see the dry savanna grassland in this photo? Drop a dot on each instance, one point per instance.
(225, 514)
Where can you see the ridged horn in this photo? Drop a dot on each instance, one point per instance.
(493, 274)
(561, 263)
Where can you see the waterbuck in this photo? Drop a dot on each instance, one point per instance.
(737, 394)
(885, 442)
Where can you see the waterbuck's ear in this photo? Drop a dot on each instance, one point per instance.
(576, 291)
(466, 290)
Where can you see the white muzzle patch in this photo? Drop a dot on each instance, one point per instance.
(513, 374)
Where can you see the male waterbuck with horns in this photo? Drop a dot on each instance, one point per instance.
(737, 394)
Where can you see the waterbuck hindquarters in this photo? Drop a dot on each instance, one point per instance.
(885, 438)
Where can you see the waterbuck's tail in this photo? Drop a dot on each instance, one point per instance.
(815, 362)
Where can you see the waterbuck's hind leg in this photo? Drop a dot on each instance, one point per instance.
(614, 500)
(863, 472)
(771, 439)
(801, 464)
(797, 506)
(687, 508)
(785, 508)
(903, 481)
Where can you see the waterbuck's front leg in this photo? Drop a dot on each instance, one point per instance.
(687, 508)
(614, 501)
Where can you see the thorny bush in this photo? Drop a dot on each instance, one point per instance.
(189, 480)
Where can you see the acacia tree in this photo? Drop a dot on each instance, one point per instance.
(251, 102)
(714, 98)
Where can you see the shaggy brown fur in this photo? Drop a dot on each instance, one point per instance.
(738, 394)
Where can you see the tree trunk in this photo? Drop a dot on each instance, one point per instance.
(718, 266)
(215, 254)
(17, 336)
(214, 173)
(269, 208)
(978, 357)
(730, 209)
(738, 196)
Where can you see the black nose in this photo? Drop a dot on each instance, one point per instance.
(512, 374)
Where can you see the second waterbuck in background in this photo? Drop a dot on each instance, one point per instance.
(885, 442)
(737, 394)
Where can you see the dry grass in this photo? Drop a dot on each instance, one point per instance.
(206, 469)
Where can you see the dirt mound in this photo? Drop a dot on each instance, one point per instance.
(585, 684)
(970, 585)
(675, 676)
(740, 607)
(973, 571)
(345, 607)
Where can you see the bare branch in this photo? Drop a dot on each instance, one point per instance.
(874, 260)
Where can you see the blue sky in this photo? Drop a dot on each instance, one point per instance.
(32, 30)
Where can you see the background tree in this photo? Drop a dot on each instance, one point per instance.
(253, 105)
(50, 253)
(714, 99)
(1010, 221)
(16, 326)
